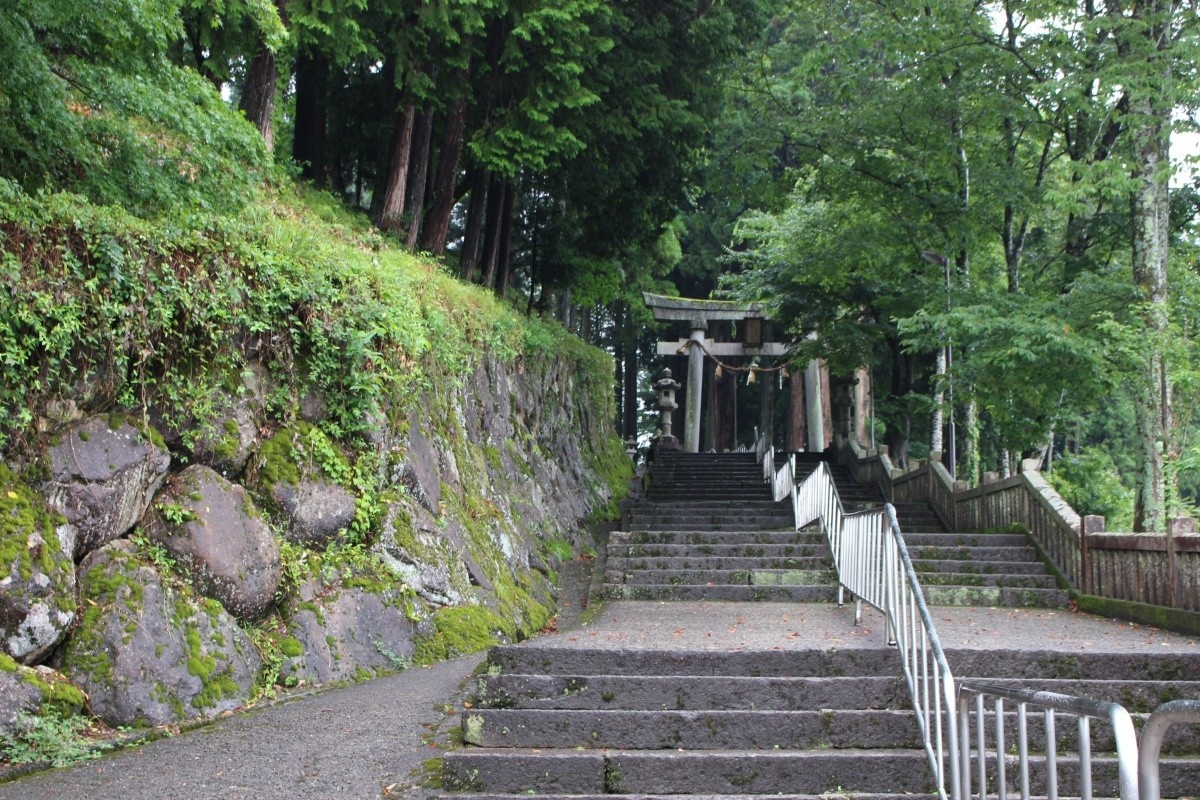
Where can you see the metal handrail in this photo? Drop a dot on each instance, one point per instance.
(1051, 703)
(1153, 732)
(873, 564)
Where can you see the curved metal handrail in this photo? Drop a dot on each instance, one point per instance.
(1153, 732)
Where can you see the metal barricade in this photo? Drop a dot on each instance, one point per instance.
(972, 696)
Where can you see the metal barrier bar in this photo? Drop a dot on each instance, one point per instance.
(873, 564)
(1153, 732)
(1050, 703)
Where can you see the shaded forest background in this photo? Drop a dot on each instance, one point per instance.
(976, 200)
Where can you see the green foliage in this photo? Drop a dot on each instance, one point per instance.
(49, 738)
(1091, 484)
(90, 101)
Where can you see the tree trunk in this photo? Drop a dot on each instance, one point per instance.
(1150, 219)
(420, 174)
(258, 94)
(630, 406)
(469, 257)
(437, 221)
(391, 216)
(491, 229)
(505, 246)
(312, 112)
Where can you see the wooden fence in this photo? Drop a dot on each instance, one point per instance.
(1157, 569)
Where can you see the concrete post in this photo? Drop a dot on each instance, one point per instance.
(695, 388)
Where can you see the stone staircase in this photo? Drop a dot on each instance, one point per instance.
(963, 569)
(707, 529)
(570, 720)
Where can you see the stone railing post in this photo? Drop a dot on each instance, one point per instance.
(1092, 523)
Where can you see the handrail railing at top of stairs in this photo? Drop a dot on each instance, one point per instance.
(872, 561)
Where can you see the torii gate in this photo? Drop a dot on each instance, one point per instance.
(698, 313)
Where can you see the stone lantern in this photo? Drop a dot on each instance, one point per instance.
(665, 386)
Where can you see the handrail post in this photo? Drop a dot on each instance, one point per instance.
(1155, 729)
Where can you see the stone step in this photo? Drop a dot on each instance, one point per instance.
(717, 563)
(641, 796)
(685, 772)
(976, 554)
(1038, 666)
(915, 539)
(766, 577)
(690, 730)
(720, 550)
(714, 505)
(716, 492)
(722, 593)
(932, 579)
(695, 536)
(692, 522)
(813, 662)
(986, 568)
(995, 596)
(688, 692)
(1179, 740)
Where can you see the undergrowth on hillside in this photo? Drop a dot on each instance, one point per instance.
(105, 309)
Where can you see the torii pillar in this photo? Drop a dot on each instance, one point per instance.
(695, 387)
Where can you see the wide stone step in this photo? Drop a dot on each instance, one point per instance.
(1037, 666)
(934, 553)
(715, 506)
(1179, 740)
(717, 563)
(783, 577)
(685, 772)
(690, 730)
(915, 539)
(715, 492)
(995, 596)
(748, 522)
(812, 663)
(717, 592)
(694, 536)
(688, 692)
(642, 796)
(931, 579)
(1137, 696)
(719, 550)
(923, 566)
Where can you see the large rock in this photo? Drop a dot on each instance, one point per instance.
(413, 549)
(37, 572)
(17, 696)
(215, 531)
(103, 474)
(149, 651)
(347, 629)
(316, 510)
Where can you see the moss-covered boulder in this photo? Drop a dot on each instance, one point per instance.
(219, 536)
(33, 691)
(304, 479)
(149, 651)
(347, 628)
(37, 572)
(413, 548)
(103, 473)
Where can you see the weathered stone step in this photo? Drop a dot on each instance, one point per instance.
(931, 579)
(933, 553)
(690, 730)
(995, 596)
(915, 539)
(715, 492)
(694, 536)
(637, 796)
(923, 566)
(723, 524)
(720, 550)
(813, 663)
(716, 506)
(701, 577)
(717, 563)
(718, 592)
(1179, 740)
(1178, 777)
(685, 772)
(688, 692)
(1038, 666)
